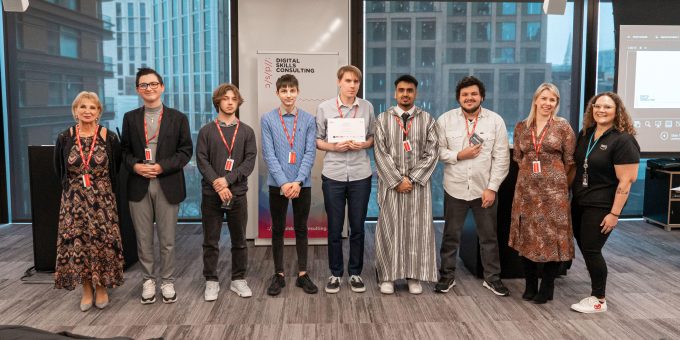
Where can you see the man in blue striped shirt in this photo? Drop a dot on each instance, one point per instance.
(289, 148)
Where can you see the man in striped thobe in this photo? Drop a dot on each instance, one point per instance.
(406, 153)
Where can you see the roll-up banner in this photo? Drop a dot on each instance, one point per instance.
(316, 74)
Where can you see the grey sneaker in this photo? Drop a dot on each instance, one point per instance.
(212, 288)
(148, 292)
(333, 285)
(240, 287)
(168, 292)
(497, 287)
(357, 284)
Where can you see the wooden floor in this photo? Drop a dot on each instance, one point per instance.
(643, 298)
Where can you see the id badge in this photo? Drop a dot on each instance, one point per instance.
(291, 157)
(585, 180)
(86, 181)
(536, 166)
(147, 155)
(407, 146)
(229, 165)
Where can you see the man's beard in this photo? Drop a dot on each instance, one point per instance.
(471, 111)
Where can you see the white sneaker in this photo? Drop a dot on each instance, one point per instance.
(387, 287)
(148, 292)
(168, 292)
(333, 285)
(241, 288)
(414, 286)
(589, 305)
(212, 288)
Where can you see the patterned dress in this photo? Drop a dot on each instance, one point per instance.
(89, 246)
(540, 229)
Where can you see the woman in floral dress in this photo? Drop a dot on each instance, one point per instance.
(540, 229)
(89, 248)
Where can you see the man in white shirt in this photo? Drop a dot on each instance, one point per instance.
(473, 145)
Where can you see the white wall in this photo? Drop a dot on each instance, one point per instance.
(283, 26)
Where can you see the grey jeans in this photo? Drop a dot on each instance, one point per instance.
(455, 211)
(152, 207)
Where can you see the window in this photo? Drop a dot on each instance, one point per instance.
(375, 7)
(402, 56)
(69, 42)
(427, 30)
(376, 31)
(456, 32)
(376, 56)
(481, 31)
(400, 6)
(424, 6)
(505, 55)
(505, 31)
(401, 30)
(532, 31)
(507, 8)
(79, 57)
(455, 55)
(505, 47)
(426, 57)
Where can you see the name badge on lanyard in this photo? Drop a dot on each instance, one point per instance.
(86, 180)
(407, 146)
(291, 157)
(229, 165)
(536, 166)
(147, 155)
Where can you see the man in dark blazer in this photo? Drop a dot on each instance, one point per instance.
(156, 145)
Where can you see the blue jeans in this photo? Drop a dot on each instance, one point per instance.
(355, 194)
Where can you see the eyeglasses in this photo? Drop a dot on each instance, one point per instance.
(606, 107)
(144, 86)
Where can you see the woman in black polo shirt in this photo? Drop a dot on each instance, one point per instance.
(607, 158)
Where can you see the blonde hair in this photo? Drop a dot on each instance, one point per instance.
(82, 96)
(531, 119)
(622, 120)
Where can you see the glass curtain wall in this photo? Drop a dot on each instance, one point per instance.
(97, 46)
(511, 46)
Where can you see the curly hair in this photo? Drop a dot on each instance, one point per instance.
(622, 120)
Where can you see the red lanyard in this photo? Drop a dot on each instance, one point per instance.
(291, 141)
(233, 138)
(405, 130)
(337, 104)
(158, 129)
(474, 127)
(537, 147)
(86, 163)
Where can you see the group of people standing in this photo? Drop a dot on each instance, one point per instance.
(470, 141)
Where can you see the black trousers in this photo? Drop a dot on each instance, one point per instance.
(278, 208)
(586, 222)
(237, 219)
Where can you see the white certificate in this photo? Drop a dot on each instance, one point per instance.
(344, 129)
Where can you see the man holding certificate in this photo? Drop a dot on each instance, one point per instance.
(345, 127)
(406, 153)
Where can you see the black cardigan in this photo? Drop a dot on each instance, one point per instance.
(65, 142)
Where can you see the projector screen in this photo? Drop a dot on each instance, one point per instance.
(649, 83)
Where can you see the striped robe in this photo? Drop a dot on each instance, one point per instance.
(404, 236)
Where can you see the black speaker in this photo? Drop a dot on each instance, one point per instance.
(45, 201)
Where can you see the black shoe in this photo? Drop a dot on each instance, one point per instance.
(444, 285)
(530, 289)
(356, 283)
(278, 282)
(306, 284)
(497, 287)
(333, 285)
(545, 293)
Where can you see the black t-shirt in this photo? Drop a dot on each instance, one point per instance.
(613, 147)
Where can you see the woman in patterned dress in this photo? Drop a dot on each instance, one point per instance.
(541, 228)
(89, 249)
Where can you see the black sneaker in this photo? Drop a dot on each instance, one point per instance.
(444, 285)
(333, 285)
(278, 282)
(497, 287)
(357, 284)
(306, 284)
